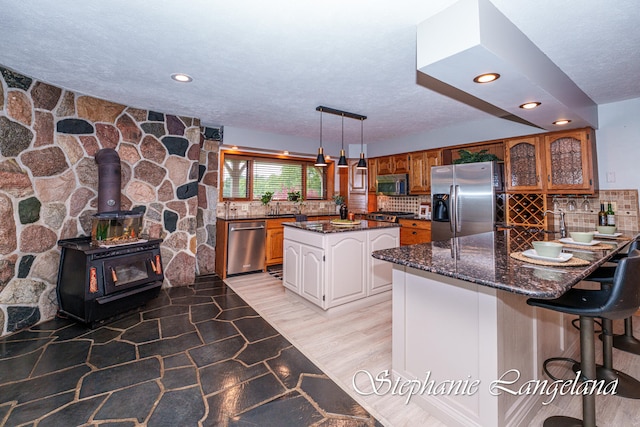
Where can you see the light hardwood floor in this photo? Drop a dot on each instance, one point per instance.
(342, 344)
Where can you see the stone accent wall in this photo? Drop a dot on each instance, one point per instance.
(211, 139)
(48, 187)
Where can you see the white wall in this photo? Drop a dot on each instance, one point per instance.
(618, 142)
(617, 139)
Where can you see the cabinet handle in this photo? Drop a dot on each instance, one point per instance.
(414, 224)
(114, 276)
(414, 232)
(548, 178)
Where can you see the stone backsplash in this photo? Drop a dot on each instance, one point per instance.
(48, 186)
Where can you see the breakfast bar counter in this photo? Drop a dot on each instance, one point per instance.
(461, 323)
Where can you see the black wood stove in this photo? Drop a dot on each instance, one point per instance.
(97, 283)
(113, 270)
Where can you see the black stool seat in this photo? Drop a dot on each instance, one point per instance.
(618, 301)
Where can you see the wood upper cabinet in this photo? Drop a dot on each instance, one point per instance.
(420, 170)
(385, 165)
(398, 163)
(570, 162)
(555, 163)
(401, 163)
(524, 165)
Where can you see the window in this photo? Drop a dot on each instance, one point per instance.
(247, 177)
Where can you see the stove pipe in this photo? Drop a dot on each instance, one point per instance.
(108, 180)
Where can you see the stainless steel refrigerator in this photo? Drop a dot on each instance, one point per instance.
(463, 199)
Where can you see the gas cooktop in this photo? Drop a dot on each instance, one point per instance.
(389, 216)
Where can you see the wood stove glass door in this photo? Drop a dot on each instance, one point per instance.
(128, 271)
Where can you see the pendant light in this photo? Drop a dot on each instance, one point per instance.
(362, 163)
(320, 160)
(342, 163)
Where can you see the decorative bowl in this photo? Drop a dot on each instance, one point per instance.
(547, 249)
(581, 237)
(606, 229)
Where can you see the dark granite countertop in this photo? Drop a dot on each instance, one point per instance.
(326, 227)
(262, 216)
(485, 259)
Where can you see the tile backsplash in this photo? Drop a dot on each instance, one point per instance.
(624, 203)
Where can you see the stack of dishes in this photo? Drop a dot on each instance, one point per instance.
(580, 238)
(547, 251)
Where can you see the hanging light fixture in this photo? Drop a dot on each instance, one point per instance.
(342, 162)
(362, 163)
(320, 160)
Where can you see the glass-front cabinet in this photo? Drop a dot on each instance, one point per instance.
(554, 163)
(523, 164)
(569, 161)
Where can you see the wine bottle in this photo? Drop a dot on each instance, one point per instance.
(611, 219)
(602, 216)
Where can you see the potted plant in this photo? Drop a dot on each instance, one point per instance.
(294, 196)
(467, 156)
(266, 197)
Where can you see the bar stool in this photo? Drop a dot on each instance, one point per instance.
(626, 341)
(627, 385)
(617, 301)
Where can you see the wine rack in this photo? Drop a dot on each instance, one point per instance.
(527, 210)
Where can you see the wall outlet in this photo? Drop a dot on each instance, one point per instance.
(611, 177)
(244, 207)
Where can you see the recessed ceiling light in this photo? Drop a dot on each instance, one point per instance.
(235, 147)
(562, 122)
(486, 78)
(286, 153)
(530, 105)
(327, 157)
(182, 78)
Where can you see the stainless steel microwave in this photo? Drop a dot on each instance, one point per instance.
(392, 185)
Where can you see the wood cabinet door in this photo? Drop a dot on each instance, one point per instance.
(372, 172)
(385, 165)
(569, 162)
(275, 239)
(432, 158)
(523, 165)
(401, 163)
(418, 181)
(420, 170)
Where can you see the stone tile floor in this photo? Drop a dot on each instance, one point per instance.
(195, 356)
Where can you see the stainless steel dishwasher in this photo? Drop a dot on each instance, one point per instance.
(246, 246)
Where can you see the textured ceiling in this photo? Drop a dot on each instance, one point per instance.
(267, 65)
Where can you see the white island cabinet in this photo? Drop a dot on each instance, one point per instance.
(332, 266)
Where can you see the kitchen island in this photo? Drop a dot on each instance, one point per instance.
(331, 265)
(461, 324)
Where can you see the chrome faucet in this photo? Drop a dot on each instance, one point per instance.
(563, 227)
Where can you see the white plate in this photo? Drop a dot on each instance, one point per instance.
(531, 253)
(607, 236)
(570, 241)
